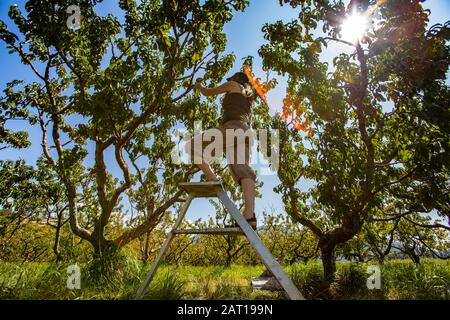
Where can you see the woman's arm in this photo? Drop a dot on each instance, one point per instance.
(223, 88)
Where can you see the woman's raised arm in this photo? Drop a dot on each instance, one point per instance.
(223, 88)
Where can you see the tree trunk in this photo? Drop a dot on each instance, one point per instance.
(411, 252)
(415, 258)
(328, 262)
(101, 245)
(56, 243)
(145, 253)
(228, 261)
(58, 237)
(105, 267)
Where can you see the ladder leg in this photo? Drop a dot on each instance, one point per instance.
(264, 253)
(163, 250)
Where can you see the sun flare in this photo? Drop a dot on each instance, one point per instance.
(354, 27)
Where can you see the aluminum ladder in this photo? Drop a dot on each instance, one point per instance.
(215, 189)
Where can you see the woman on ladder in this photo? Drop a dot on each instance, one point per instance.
(237, 118)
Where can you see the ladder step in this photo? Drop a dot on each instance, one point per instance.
(266, 283)
(209, 231)
(202, 189)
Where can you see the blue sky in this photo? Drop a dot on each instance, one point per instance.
(244, 38)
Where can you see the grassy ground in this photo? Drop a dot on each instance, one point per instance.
(400, 279)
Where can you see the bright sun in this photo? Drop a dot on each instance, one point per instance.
(354, 27)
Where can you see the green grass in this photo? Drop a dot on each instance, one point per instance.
(400, 279)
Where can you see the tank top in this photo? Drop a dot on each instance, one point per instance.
(236, 106)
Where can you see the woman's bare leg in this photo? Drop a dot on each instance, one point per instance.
(207, 170)
(248, 190)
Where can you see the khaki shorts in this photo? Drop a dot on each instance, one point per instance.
(234, 139)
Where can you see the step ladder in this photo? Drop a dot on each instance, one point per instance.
(215, 189)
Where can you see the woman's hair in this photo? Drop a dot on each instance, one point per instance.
(241, 78)
(249, 93)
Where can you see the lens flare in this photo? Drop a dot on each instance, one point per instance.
(375, 7)
(354, 27)
(261, 88)
(292, 112)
